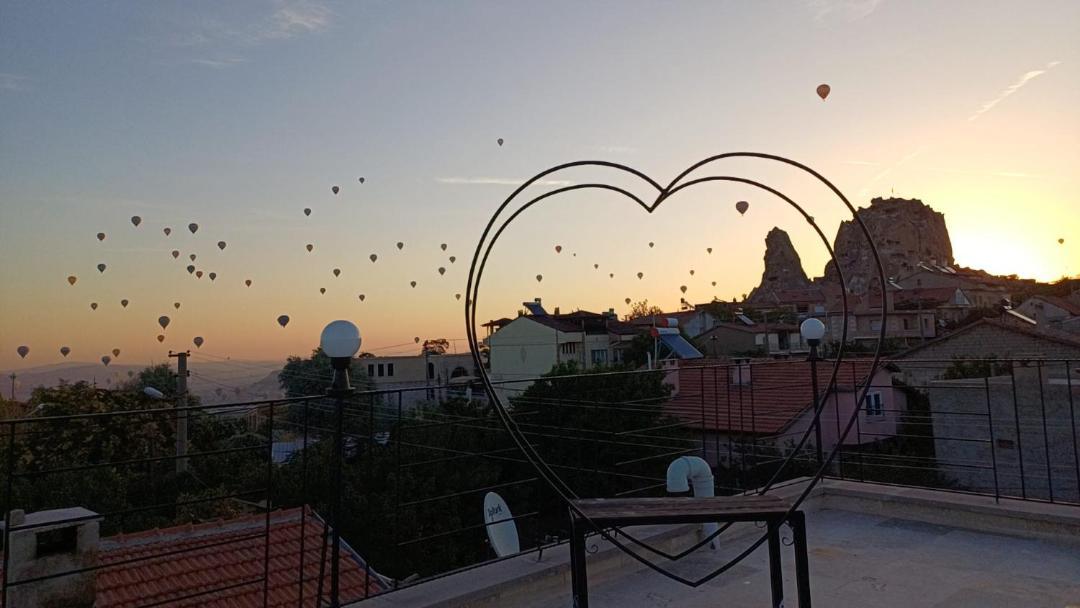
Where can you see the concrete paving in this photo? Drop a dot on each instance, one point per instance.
(860, 560)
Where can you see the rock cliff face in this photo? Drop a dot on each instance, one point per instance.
(906, 232)
(783, 268)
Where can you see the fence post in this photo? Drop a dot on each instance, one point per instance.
(1046, 434)
(1072, 418)
(1016, 417)
(268, 498)
(8, 504)
(993, 445)
(303, 506)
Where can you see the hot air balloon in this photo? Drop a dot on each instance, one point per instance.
(457, 296)
(309, 247)
(539, 278)
(101, 236)
(93, 305)
(335, 189)
(641, 275)
(558, 248)
(362, 297)
(65, 351)
(499, 141)
(307, 211)
(611, 275)
(167, 230)
(453, 259)
(198, 341)
(116, 352)
(373, 257)
(714, 283)
(627, 300)
(596, 266)
(176, 305)
(823, 91)
(124, 303)
(416, 339)
(212, 275)
(443, 246)
(412, 284)
(442, 270)
(198, 274)
(708, 250)
(163, 321)
(101, 267)
(1061, 241)
(322, 290)
(221, 245)
(283, 320)
(691, 272)
(337, 272)
(23, 351)
(160, 338)
(360, 179)
(105, 360)
(192, 257)
(682, 288)
(136, 220)
(175, 253)
(72, 279)
(247, 282)
(190, 269)
(193, 227)
(742, 206)
(400, 245)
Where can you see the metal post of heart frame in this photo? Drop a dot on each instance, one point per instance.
(490, 235)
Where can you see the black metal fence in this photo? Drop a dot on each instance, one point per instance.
(256, 483)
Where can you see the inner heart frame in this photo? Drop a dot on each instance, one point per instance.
(504, 216)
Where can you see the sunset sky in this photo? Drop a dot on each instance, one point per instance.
(238, 115)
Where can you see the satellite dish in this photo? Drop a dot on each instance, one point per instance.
(501, 529)
(153, 393)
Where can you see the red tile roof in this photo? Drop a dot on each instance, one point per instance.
(1065, 304)
(778, 392)
(171, 563)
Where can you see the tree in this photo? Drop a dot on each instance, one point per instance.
(642, 309)
(312, 376)
(438, 346)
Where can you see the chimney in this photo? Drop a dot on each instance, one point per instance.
(48, 543)
(556, 310)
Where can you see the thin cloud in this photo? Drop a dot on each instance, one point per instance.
(1011, 174)
(1019, 84)
(617, 149)
(886, 171)
(848, 10)
(499, 181)
(13, 82)
(292, 18)
(219, 64)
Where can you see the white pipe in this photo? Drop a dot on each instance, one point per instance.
(687, 470)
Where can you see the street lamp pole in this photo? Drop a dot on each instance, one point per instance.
(813, 330)
(340, 341)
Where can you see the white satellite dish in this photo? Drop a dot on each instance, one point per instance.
(501, 529)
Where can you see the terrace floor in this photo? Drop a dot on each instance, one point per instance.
(861, 560)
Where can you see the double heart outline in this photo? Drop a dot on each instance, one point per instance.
(552, 479)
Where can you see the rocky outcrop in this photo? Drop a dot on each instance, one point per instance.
(906, 232)
(783, 268)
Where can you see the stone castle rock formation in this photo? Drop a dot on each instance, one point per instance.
(906, 232)
(783, 268)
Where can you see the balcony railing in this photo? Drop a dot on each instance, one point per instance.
(250, 501)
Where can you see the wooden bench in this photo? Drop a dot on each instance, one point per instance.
(620, 512)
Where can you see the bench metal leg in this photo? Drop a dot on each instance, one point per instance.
(776, 574)
(579, 581)
(802, 562)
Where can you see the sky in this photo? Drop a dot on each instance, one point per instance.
(239, 115)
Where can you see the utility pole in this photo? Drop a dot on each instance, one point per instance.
(181, 415)
(13, 376)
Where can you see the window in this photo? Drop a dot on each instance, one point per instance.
(568, 348)
(55, 542)
(371, 370)
(598, 356)
(875, 325)
(390, 369)
(382, 368)
(874, 405)
(907, 324)
(617, 356)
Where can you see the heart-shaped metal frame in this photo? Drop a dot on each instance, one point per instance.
(543, 470)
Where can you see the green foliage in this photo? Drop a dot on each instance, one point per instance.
(962, 367)
(312, 376)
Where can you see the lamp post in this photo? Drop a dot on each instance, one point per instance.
(812, 331)
(340, 340)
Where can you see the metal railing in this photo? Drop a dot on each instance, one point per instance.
(414, 473)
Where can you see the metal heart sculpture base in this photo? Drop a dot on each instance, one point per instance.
(504, 216)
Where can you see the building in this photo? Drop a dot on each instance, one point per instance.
(981, 289)
(768, 405)
(984, 339)
(425, 377)
(217, 564)
(745, 338)
(950, 304)
(1023, 422)
(1052, 313)
(530, 345)
(693, 323)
